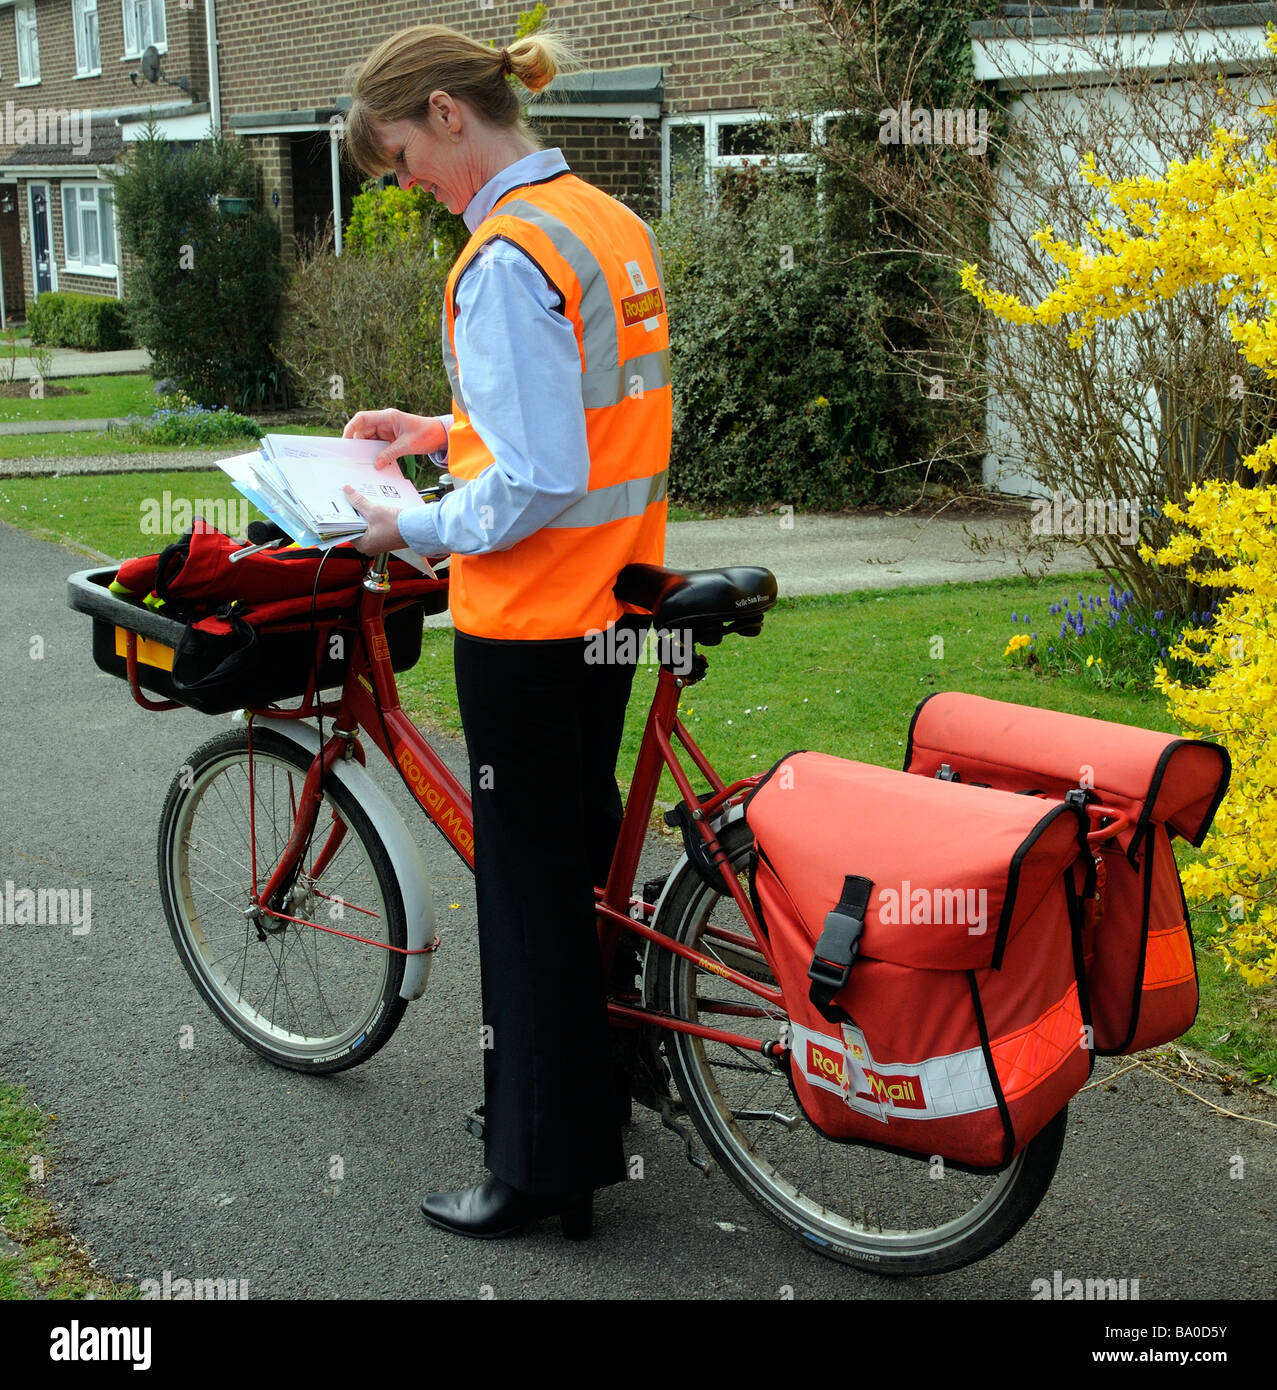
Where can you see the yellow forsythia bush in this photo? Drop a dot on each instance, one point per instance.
(1211, 220)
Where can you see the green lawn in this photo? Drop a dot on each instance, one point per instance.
(106, 511)
(94, 398)
(841, 673)
(48, 1256)
(84, 443)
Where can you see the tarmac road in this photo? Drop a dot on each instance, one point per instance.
(207, 1162)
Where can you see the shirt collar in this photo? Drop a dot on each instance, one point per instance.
(529, 169)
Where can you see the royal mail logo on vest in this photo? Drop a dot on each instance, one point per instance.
(644, 305)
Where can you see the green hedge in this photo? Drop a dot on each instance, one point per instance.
(783, 389)
(88, 321)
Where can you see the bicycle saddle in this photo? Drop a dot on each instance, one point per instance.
(711, 603)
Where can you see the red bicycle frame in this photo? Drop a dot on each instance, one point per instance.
(369, 702)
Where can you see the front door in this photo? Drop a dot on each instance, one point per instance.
(41, 238)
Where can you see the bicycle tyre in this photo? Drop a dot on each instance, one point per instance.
(204, 826)
(968, 1215)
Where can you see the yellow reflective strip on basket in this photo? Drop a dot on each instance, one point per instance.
(148, 653)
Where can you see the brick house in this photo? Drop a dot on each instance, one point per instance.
(665, 90)
(71, 66)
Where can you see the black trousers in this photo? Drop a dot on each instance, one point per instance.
(543, 728)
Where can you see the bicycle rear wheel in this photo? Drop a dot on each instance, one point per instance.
(879, 1211)
(298, 992)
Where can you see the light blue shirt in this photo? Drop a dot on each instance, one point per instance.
(520, 369)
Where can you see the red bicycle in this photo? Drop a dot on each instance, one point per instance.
(300, 905)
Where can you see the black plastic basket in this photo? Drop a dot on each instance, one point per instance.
(253, 668)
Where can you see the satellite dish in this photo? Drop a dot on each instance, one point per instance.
(151, 64)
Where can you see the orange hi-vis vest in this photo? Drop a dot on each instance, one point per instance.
(603, 261)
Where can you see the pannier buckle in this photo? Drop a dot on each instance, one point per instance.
(836, 949)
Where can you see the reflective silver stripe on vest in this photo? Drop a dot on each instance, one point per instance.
(612, 385)
(598, 314)
(450, 362)
(630, 498)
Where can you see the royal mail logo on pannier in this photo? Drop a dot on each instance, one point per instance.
(644, 305)
(955, 1084)
(825, 1065)
(902, 1091)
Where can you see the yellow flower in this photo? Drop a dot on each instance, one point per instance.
(1205, 221)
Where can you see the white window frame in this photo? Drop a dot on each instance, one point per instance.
(712, 122)
(107, 270)
(24, 18)
(80, 10)
(133, 45)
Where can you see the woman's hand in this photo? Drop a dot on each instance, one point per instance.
(383, 525)
(406, 434)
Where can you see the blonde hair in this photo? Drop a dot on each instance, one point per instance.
(395, 81)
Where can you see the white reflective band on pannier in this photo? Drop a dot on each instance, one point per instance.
(933, 1089)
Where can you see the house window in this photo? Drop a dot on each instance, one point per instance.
(707, 148)
(28, 44)
(88, 228)
(144, 25)
(88, 57)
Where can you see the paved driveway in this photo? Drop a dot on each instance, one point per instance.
(209, 1163)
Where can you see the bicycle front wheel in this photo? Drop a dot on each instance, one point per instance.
(302, 992)
(883, 1212)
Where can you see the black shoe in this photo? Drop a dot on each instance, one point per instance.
(494, 1209)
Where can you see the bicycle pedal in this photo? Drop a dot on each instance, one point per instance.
(474, 1121)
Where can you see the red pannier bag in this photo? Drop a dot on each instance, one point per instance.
(927, 938)
(1137, 942)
